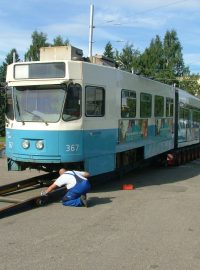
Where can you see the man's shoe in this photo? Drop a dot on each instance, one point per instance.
(84, 200)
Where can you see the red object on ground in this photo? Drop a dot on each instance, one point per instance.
(128, 187)
(170, 159)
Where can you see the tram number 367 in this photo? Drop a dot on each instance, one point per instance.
(72, 147)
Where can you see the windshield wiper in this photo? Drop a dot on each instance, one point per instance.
(40, 117)
(19, 111)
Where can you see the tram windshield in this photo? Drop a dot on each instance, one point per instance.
(41, 103)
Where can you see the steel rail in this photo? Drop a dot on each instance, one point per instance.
(19, 205)
(32, 203)
(42, 180)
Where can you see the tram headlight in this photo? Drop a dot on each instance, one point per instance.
(39, 144)
(25, 144)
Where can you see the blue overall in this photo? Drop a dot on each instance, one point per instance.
(72, 197)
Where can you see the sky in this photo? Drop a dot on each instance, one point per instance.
(119, 21)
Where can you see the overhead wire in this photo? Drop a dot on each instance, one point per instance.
(146, 11)
(113, 22)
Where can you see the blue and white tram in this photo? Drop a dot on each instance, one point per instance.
(188, 119)
(65, 113)
(187, 127)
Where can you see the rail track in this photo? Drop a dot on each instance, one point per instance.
(17, 205)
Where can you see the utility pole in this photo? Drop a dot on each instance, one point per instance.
(91, 27)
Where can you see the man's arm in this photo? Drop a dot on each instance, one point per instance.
(60, 181)
(85, 174)
(51, 187)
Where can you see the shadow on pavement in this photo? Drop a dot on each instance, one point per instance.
(150, 176)
(92, 201)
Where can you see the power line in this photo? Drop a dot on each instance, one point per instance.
(147, 11)
(161, 6)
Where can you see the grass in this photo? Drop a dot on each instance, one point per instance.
(2, 139)
(2, 142)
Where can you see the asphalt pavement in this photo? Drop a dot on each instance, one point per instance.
(154, 226)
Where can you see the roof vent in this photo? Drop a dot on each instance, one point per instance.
(102, 60)
(60, 53)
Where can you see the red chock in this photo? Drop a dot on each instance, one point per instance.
(128, 187)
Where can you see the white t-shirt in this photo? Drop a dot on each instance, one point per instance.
(68, 179)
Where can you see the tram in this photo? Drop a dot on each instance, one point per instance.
(64, 111)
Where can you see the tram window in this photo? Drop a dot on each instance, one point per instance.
(94, 101)
(38, 103)
(195, 118)
(39, 70)
(72, 109)
(184, 116)
(169, 107)
(145, 105)
(159, 106)
(128, 104)
(9, 105)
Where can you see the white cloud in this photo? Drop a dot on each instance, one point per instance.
(149, 6)
(129, 20)
(72, 29)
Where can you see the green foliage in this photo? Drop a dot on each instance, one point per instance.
(173, 64)
(164, 60)
(128, 58)
(8, 60)
(58, 41)
(2, 73)
(161, 61)
(38, 40)
(2, 111)
(108, 51)
(2, 139)
(151, 61)
(173, 58)
(190, 84)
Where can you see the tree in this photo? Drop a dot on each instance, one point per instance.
(58, 41)
(190, 84)
(38, 40)
(150, 62)
(8, 60)
(108, 51)
(173, 57)
(163, 61)
(12, 55)
(2, 110)
(2, 73)
(128, 58)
